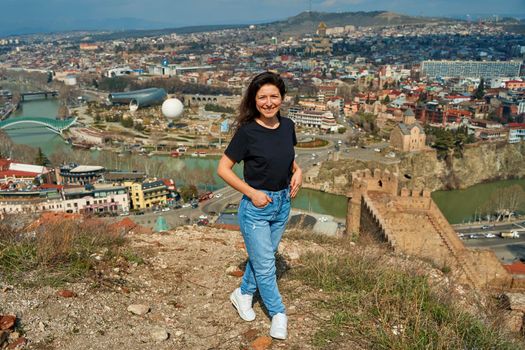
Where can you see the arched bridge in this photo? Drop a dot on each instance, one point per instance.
(54, 125)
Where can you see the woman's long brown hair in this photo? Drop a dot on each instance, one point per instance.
(248, 109)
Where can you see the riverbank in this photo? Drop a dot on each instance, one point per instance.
(8, 110)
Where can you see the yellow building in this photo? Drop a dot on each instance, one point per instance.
(408, 136)
(320, 43)
(147, 194)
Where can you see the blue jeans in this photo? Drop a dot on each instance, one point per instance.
(262, 229)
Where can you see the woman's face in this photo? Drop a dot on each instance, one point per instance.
(268, 100)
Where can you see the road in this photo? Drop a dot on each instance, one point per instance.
(519, 226)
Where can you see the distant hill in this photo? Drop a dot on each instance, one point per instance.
(307, 22)
(166, 31)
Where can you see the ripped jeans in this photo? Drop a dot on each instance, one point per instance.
(262, 229)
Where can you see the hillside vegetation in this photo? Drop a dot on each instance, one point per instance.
(171, 291)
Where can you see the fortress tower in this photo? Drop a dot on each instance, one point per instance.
(362, 182)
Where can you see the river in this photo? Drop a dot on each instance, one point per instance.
(49, 142)
(466, 205)
(36, 136)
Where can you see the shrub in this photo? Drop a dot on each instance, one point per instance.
(56, 252)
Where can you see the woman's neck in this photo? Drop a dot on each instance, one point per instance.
(270, 123)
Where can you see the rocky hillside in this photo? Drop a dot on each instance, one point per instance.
(175, 297)
(481, 162)
(173, 293)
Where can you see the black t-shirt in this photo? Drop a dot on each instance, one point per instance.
(268, 154)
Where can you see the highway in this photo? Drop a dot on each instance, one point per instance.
(494, 228)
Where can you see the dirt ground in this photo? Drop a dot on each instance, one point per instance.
(184, 281)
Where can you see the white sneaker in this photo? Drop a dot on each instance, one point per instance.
(279, 325)
(243, 304)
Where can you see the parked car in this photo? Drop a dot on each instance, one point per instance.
(485, 227)
(203, 216)
(203, 222)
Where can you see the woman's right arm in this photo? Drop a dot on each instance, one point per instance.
(225, 171)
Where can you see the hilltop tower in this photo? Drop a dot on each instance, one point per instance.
(362, 182)
(321, 29)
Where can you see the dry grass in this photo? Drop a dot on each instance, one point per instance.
(58, 252)
(379, 306)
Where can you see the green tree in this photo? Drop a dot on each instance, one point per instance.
(41, 158)
(189, 192)
(480, 91)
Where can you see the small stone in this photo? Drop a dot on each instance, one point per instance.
(234, 271)
(138, 309)
(261, 343)
(159, 334)
(116, 270)
(14, 335)
(237, 273)
(179, 333)
(41, 326)
(231, 269)
(7, 321)
(65, 293)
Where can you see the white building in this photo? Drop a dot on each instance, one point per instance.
(316, 119)
(98, 199)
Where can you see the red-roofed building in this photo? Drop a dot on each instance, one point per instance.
(12, 176)
(515, 84)
(12, 172)
(4, 164)
(516, 268)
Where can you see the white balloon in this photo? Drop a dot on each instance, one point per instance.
(172, 108)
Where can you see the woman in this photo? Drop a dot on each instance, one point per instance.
(265, 142)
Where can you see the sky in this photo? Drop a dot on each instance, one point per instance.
(49, 15)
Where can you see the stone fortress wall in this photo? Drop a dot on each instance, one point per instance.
(412, 224)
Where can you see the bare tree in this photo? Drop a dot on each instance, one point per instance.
(6, 145)
(505, 201)
(24, 153)
(61, 156)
